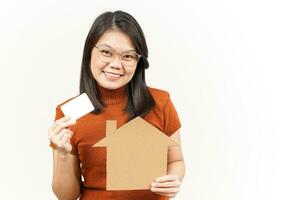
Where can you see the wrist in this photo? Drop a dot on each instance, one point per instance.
(62, 154)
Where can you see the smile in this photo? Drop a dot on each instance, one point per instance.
(112, 76)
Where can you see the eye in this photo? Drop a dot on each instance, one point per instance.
(105, 52)
(129, 57)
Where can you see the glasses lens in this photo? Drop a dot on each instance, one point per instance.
(128, 59)
(105, 54)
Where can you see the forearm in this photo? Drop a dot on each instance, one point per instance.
(65, 184)
(177, 168)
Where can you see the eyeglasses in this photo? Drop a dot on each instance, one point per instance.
(107, 55)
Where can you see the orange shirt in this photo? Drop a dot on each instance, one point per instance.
(91, 128)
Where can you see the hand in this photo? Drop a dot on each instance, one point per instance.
(61, 136)
(166, 185)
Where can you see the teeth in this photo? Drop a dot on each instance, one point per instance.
(110, 74)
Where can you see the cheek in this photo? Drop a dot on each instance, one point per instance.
(96, 65)
(130, 74)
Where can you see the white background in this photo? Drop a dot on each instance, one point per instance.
(231, 67)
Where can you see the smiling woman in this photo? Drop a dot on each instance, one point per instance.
(113, 76)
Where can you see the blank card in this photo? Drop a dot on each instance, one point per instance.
(78, 107)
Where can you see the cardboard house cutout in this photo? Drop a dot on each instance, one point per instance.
(136, 154)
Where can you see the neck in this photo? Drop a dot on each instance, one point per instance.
(114, 96)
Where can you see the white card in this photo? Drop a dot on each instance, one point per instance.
(78, 107)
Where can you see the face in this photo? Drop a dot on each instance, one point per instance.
(112, 75)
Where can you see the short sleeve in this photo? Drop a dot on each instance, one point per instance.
(171, 119)
(59, 114)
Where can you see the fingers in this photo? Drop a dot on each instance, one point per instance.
(62, 123)
(166, 185)
(59, 125)
(61, 137)
(65, 138)
(169, 192)
(165, 192)
(166, 178)
(59, 121)
(63, 119)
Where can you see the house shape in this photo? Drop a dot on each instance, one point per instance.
(137, 153)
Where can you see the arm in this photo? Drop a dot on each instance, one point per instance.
(66, 167)
(175, 158)
(66, 176)
(169, 185)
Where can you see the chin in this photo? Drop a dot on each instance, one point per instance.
(112, 86)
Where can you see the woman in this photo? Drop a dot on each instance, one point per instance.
(113, 76)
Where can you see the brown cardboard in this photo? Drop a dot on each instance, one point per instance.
(136, 154)
(111, 127)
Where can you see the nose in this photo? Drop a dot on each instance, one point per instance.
(116, 63)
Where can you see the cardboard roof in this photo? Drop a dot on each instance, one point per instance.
(136, 154)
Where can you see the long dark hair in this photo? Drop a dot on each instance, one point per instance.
(140, 101)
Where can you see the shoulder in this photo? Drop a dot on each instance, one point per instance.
(160, 96)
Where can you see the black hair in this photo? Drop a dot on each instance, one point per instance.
(140, 101)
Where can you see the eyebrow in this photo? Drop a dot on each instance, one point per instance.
(113, 48)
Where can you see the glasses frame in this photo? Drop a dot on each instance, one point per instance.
(118, 54)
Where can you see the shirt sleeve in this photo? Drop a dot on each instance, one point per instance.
(171, 119)
(59, 114)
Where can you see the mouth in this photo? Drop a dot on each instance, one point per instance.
(112, 76)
